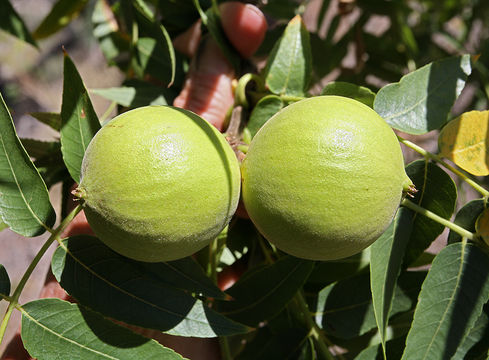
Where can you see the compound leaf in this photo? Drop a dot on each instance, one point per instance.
(273, 287)
(184, 274)
(79, 120)
(464, 141)
(450, 302)
(111, 284)
(24, 200)
(55, 329)
(268, 345)
(421, 101)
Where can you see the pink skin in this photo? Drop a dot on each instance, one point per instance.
(208, 89)
(208, 92)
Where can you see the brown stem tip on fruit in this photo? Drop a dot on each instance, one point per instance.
(79, 194)
(410, 191)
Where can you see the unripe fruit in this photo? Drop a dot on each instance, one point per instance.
(323, 178)
(159, 183)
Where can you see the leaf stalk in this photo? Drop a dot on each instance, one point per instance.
(431, 215)
(14, 299)
(442, 162)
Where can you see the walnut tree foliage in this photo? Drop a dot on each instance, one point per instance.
(422, 65)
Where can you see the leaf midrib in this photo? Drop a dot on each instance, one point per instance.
(38, 323)
(64, 247)
(261, 299)
(455, 288)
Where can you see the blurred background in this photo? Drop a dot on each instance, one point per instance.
(369, 43)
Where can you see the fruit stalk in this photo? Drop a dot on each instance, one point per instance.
(431, 215)
(439, 160)
(18, 290)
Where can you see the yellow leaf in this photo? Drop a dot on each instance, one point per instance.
(465, 140)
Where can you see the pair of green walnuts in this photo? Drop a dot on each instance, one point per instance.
(321, 180)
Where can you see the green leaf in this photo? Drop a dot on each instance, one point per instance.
(4, 281)
(273, 287)
(79, 120)
(154, 60)
(324, 64)
(424, 259)
(466, 218)
(55, 174)
(263, 110)
(137, 93)
(422, 100)
(288, 69)
(391, 245)
(49, 160)
(3, 226)
(92, 273)
(450, 302)
(437, 193)
(61, 14)
(215, 29)
(184, 274)
(359, 93)
(394, 350)
(326, 272)
(39, 148)
(476, 343)
(344, 309)
(155, 53)
(115, 44)
(51, 119)
(12, 23)
(144, 9)
(281, 9)
(55, 329)
(24, 200)
(179, 15)
(267, 345)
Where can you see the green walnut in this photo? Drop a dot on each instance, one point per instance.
(323, 178)
(159, 183)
